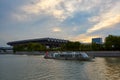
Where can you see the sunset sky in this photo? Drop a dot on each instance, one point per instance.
(76, 20)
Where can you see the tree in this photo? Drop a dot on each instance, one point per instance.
(71, 46)
(19, 47)
(85, 47)
(97, 47)
(112, 42)
(29, 47)
(35, 47)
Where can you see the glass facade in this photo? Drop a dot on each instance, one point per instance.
(97, 40)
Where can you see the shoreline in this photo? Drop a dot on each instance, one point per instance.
(90, 53)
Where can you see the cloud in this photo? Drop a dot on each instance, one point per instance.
(45, 7)
(106, 20)
(94, 19)
(74, 29)
(84, 38)
(19, 17)
(56, 29)
(78, 20)
(59, 9)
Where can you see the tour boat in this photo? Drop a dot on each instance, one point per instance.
(68, 56)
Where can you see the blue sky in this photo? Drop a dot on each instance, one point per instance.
(76, 20)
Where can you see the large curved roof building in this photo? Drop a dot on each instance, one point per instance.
(50, 42)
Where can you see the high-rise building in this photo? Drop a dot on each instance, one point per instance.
(97, 40)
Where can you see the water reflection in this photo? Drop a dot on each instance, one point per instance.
(112, 68)
(38, 68)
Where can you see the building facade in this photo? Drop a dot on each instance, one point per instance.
(97, 40)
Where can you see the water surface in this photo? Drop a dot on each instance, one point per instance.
(23, 67)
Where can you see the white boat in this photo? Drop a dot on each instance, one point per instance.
(68, 56)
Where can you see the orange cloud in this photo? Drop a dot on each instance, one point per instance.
(84, 38)
(106, 20)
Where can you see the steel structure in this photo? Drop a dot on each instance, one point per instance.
(48, 42)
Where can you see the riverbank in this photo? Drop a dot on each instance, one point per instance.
(25, 53)
(90, 53)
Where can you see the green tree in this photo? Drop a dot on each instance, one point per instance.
(97, 47)
(71, 46)
(85, 47)
(19, 47)
(29, 47)
(35, 47)
(112, 42)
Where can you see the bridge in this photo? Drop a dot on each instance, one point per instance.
(104, 53)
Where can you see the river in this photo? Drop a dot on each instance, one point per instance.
(23, 67)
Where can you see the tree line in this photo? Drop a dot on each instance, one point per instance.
(111, 43)
(29, 47)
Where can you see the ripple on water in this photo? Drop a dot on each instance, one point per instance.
(112, 68)
(38, 68)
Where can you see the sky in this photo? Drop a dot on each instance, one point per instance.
(75, 20)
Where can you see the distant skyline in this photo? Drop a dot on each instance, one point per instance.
(76, 20)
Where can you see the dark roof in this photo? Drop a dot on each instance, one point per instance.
(37, 40)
